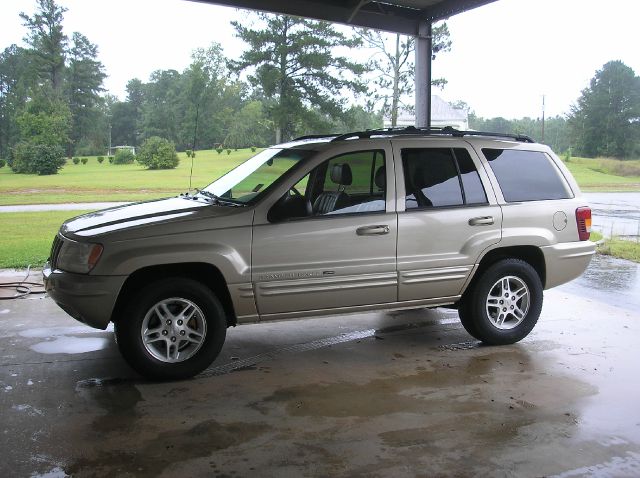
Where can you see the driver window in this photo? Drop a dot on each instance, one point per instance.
(352, 183)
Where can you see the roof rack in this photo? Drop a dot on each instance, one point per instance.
(412, 130)
(315, 136)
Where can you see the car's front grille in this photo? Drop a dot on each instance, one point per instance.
(55, 250)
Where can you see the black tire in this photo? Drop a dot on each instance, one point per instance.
(466, 317)
(199, 338)
(493, 310)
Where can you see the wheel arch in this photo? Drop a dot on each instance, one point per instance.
(530, 254)
(207, 274)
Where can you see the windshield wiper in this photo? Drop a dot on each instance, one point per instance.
(217, 199)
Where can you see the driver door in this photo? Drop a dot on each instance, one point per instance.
(340, 254)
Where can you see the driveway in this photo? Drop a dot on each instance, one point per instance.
(398, 394)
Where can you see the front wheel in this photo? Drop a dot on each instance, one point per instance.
(504, 304)
(173, 329)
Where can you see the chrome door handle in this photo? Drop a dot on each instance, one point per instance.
(481, 221)
(372, 230)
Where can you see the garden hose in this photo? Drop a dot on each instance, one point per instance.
(22, 288)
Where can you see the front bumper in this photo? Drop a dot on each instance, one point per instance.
(89, 299)
(566, 261)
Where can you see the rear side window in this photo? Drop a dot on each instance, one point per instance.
(526, 175)
(441, 177)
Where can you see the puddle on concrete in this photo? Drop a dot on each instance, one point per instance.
(154, 456)
(70, 345)
(450, 384)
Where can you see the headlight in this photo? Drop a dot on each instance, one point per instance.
(78, 257)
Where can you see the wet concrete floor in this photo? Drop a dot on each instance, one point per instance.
(371, 395)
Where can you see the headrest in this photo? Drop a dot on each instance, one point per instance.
(341, 174)
(381, 177)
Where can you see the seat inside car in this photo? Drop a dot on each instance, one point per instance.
(329, 201)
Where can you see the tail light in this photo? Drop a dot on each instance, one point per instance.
(583, 219)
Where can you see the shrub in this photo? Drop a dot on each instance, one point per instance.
(76, 160)
(253, 149)
(158, 153)
(123, 156)
(84, 160)
(100, 159)
(2, 163)
(189, 152)
(219, 150)
(111, 159)
(37, 158)
(567, 155)
(228, 151)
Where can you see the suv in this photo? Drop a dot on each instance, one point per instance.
(384, 219)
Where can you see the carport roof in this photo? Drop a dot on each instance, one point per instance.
(398, 16)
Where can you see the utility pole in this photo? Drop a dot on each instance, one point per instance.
(542, 119)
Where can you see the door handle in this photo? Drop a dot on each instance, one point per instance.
(372, 230)
(481, 221)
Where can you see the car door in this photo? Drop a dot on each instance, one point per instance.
(340, 254)
(446, 217)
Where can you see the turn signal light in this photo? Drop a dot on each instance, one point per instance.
(583, 219)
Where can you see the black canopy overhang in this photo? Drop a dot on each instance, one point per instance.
(408, 17)
(397, 16)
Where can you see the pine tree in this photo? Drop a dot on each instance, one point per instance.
(296, 65)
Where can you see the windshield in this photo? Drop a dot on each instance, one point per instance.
(254, 176)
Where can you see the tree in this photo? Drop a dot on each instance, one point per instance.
(157, 153)
(296, 65)
(84, 85)
(16, 78)
(606, 119)
(48, 41)
(392, 63)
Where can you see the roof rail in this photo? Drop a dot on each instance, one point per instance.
(315, 136)
(412, 130)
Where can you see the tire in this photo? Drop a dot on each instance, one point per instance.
(184, 325)
(504, 304)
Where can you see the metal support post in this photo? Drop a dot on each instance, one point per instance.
(424, 54)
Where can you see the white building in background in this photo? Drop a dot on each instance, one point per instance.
(442, 114)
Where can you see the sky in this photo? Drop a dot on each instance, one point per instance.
(505, 55)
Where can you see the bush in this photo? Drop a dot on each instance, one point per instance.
(219, 150)
(228, 151)
(2, 163)
(253, 149)
(100, 159)
(567, 155)
(158, 153)
(189, 152)
(76, 160)
(84, 160)
(37, 158)
(111, 159)
(123, 156)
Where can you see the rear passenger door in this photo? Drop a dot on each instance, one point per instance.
(447, 215)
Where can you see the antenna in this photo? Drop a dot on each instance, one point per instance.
(193, 146)
(542, 141)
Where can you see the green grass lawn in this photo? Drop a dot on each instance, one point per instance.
(95, 182)
(597, 175)
(27, 236)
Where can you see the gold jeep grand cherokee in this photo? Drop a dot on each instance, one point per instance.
(384, 219)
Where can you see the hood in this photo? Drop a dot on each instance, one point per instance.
(140, 214)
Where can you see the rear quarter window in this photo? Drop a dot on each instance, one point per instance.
(526, 175)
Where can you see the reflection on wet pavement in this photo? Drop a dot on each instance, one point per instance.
(609, 280)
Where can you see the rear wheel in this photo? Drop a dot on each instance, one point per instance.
(504, 304)
(173, 329)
